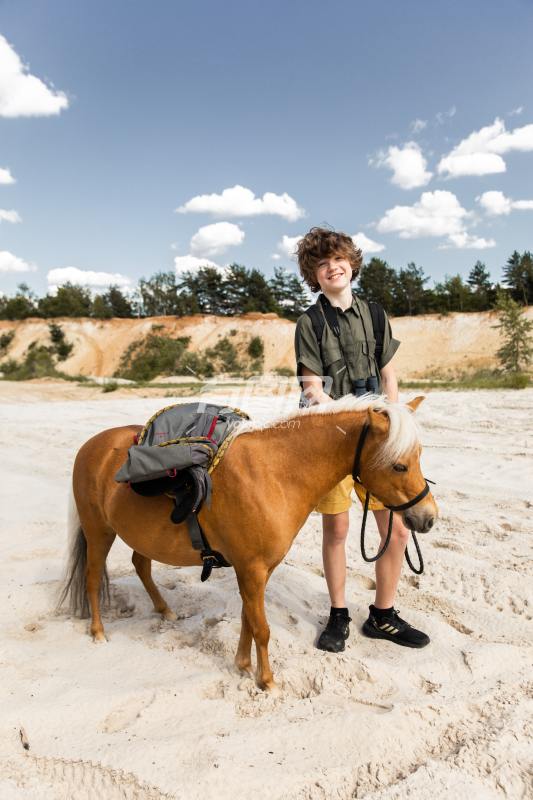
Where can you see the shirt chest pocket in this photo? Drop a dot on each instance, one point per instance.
(331, 353)
(360, 357)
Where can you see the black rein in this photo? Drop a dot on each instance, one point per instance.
(403, 507)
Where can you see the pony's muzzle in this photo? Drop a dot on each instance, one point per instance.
(420, 519)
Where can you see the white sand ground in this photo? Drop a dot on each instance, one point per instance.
(158, 711)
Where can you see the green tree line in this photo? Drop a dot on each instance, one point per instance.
(404, 292)
(238, 290)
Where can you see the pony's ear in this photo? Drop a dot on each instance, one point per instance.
(413, 404)
(378, 421)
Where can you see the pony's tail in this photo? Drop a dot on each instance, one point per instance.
(74, 590)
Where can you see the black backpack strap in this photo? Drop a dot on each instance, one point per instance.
(318, 322)
(319, 319)
(378, 325)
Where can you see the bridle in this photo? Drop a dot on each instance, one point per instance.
(402, 507)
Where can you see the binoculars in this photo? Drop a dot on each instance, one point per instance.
(363, 386)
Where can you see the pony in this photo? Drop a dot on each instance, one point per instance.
(270, 479)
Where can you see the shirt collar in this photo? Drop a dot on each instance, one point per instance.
(354, 307)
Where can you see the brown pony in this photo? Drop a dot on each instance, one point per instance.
(270, 479)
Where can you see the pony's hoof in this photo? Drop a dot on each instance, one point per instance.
(99, 637)
(169, 615)
(269, 686)
(244, 668)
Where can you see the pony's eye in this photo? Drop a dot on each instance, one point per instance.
(399, 468)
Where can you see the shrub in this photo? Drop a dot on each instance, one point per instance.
(154, 355)
(197, 365)
(224, 354)
(38, 363)
(256, 348)
(60, 347)
(5, 341)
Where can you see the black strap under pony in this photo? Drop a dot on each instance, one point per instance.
(420, 496)
(212, 559)
(196, 486)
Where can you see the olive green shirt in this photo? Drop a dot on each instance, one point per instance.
(359, 350)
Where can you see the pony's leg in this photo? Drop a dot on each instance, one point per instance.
(143, 567)
(98, 547)
(243, 659)
(252, 583)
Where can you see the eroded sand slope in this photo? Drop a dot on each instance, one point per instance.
(431, 345)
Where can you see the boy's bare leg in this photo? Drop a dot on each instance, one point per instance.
(384, 621)
(334, 533)
(389, 566)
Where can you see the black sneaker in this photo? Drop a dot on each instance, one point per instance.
(336, 631)
(390, 626)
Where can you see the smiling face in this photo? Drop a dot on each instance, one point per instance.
(321, 247)
(333, 273)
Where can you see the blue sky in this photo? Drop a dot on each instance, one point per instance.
(134, 109)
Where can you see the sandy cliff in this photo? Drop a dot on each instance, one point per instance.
(431, 344)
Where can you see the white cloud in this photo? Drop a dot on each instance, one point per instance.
(437, 213)
(464, 241)
(9, 216)
(11, 263)
(86, 277)
(442, 116)
(193, 264)
(209, 240)
(23, 94)
(461, 164)
(275, 257)
(515, 112)
(481, 152)
(496, 203)
(407, 163)
(418, 125)
(520, 139)
(5, 176)
(288, 245)
(367, 245)
(238, 201)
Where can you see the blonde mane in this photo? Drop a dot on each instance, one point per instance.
(404, 433)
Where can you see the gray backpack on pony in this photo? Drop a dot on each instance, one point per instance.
(172, 455)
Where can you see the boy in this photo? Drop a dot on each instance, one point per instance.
(329, 261)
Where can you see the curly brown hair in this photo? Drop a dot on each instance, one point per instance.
(321, 243)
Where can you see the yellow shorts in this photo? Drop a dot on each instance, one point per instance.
(339, 498)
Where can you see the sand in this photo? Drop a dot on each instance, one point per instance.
(158, 711)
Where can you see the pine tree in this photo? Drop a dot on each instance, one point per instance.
(481, 287)
(69, 301)
(377, 281)
(516, 350)
(118, 302)
(290, 294)
(409, 290)
(21, 306)
(518, 275)
(157, 296)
